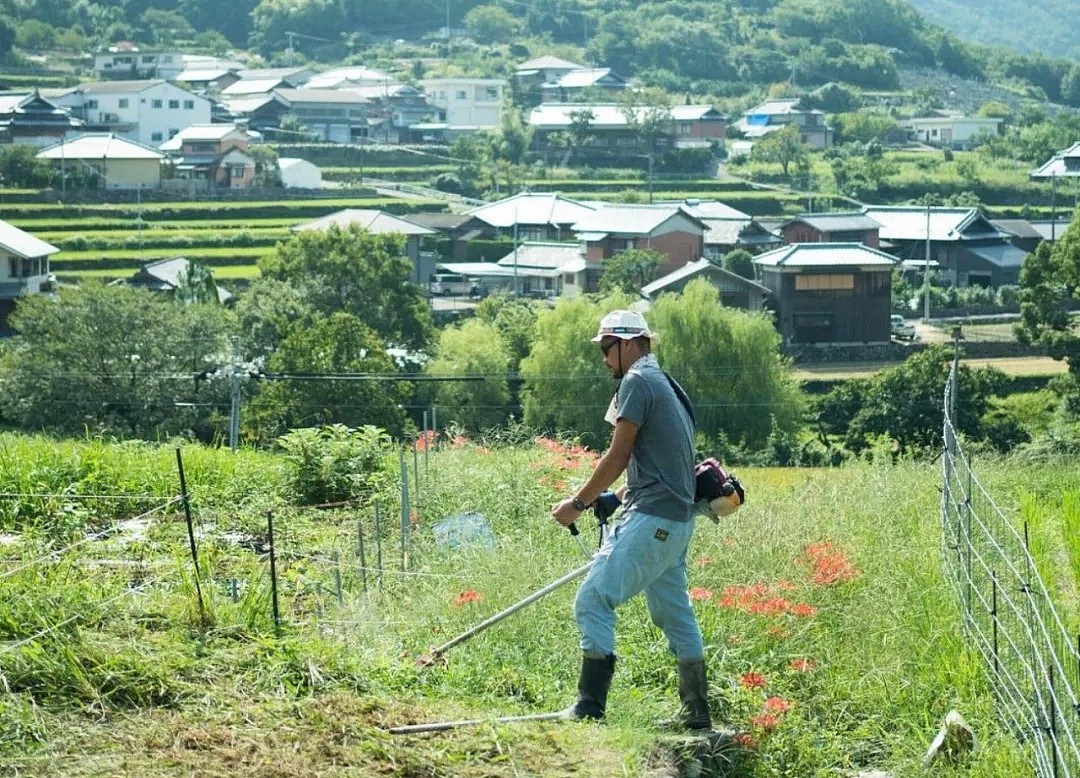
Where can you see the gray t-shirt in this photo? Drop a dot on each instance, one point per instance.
(660, 475)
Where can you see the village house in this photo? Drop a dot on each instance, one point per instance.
(829, 293)
(348, 78)
(466, 104)
(668, 229)
(31, 120)
(1064, 164)
(331, 115)
(610, 128)
(728, 228)
(951, 129)
(212, 153)
(773, 115)
(166, 276)
(535, 216)
(126, 60)
(967, 248)
(735, 291)
(855, 227)
(149, 112)
(24, 268)
(116, 163)
(261, 113)
(594, 81)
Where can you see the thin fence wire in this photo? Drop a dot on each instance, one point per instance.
(1031, 660)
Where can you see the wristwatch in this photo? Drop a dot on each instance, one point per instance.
(578, 504)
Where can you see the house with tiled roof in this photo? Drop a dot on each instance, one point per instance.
(570, 86)
(168, 275)
(829, 293)
(967, 247)
(214, 153)
(773, 115)
(668, 229)
(32, 120)
(542, 216)
(951, 129)
(735, 291)
(853, 227)
(610, 126)
(728, 228)
(1064, 164)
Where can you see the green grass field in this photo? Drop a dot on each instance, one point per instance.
(860, 665)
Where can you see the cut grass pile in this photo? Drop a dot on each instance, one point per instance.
(832, 638)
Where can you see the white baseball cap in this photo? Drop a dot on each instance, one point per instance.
(623, 324)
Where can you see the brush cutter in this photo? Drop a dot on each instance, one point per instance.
(603, 512)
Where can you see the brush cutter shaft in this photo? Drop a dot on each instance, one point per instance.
(514, 608)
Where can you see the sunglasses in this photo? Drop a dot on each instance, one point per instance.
(606, 347)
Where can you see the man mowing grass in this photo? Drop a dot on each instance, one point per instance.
(653, 442)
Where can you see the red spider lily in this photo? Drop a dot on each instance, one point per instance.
(702, 561)
(760, 599)
(425, 440)
(777, 705)
(802, 609)
(766, 722)
(554, 446)
(466, 597)
(802, 665)
(770, 606)
(752, 681)
(778, 632)
(745, 741)
(828, 564)
(700, 593)
(459, 441)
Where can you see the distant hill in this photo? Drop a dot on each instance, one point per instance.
(1047, 27)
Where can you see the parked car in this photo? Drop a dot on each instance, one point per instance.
(450, 284)
(901, 329)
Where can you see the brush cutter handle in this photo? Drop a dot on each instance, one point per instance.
(573, 529)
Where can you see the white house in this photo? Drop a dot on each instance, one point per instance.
(546, 69)
(126, 61)
(25, 270)
(119, 163)
(149, 112)
(299, 173)
(951, 129)
(467, 102)
(334, 115)
(344, 78)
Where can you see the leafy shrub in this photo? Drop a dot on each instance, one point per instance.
(336, 463)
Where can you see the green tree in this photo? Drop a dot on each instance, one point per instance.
(354, 271)
(267, 170)
(19, 167)
(1048, 278)
(648, 115)
(196, 285)
(904, 403)
(339, 344)
(739, 261)
(115, 360)
(729, 362)
(783, 147)
(264, 314)
(863, 126)
(475, 353)
(514, 318)
(514, 135)
(566, 386)
(492, 24)
(628, 271)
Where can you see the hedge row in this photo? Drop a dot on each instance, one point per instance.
(151, 241)
(331, 154)
(215, 211)
(134, 263)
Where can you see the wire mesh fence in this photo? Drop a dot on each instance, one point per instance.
(1032, 662)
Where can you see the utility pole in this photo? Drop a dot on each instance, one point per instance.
(926, 271)
(517, 291)
(1053, 207)
(234, 381)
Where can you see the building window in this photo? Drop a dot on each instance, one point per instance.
(156, 137)
(460, 95)
(492, 93)
(155, 103)
(933, 133)
(173, 132)
(826, 282)
(124, 102)
(189, 105)
(13, 267)
(91, 103)
(174, 104)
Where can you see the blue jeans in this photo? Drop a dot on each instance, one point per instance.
(644, 554)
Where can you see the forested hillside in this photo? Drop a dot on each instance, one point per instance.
(711, 48)
(1048, 27)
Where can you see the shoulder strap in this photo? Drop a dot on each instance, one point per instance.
(684, 398)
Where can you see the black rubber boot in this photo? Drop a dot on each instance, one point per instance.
(694, 695)
(593, 685)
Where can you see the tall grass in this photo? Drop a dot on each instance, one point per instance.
(824, 594)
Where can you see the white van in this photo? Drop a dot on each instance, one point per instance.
(450, 284)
